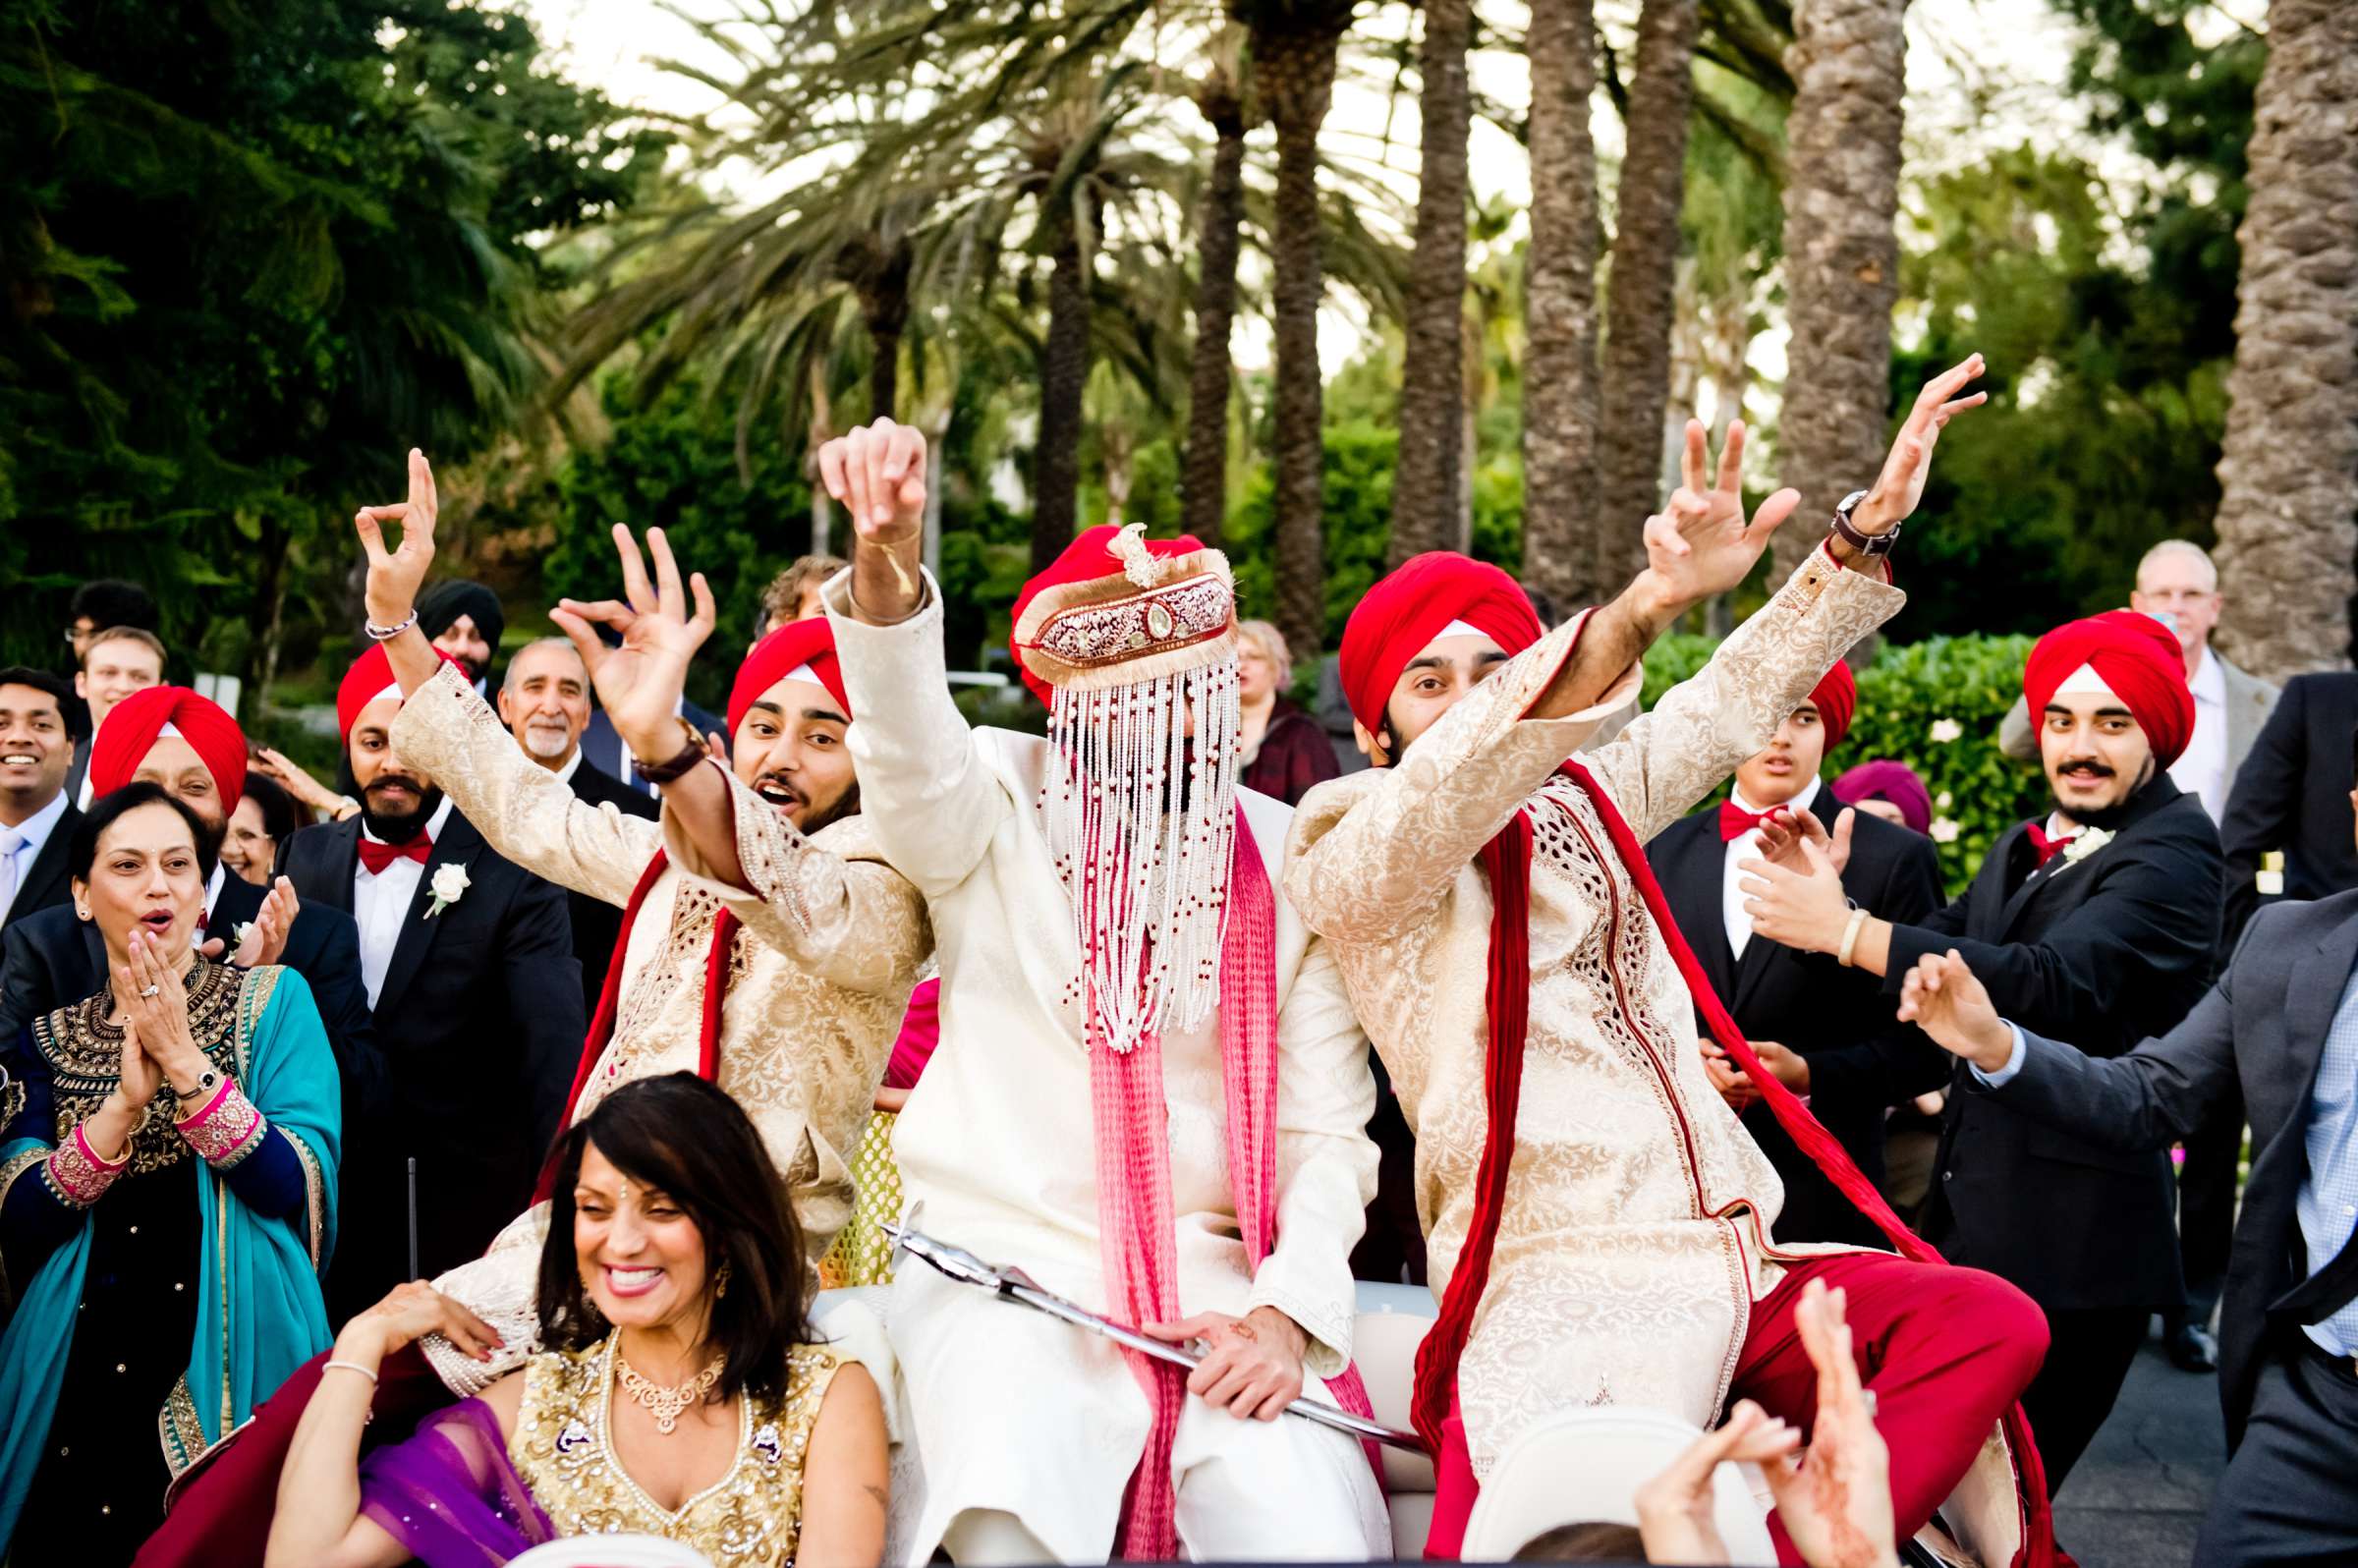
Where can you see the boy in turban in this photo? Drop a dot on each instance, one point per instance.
(1502, 936)
(1148, 1094)
(2098, 924)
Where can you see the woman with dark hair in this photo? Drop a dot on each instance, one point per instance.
(676, 1394)
(167, 1196)
(266, 814)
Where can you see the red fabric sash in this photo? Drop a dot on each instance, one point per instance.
(1138, 1249)
(609, 997)
(1506, 860)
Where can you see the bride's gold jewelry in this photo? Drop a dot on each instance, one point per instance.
(666, 1405)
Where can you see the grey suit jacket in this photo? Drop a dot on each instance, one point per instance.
(2264, 1027)
(2249, 701)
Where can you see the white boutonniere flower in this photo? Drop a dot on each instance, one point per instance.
(237, 937)
(448, 887)
(2084, 844)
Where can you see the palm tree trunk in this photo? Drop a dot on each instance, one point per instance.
(1294, 65)
(1560, 556)
(1433, 382)
(1848, 62)
(1203, 475)
(1639, 305)
(884, 310)
(2288, 467)
(1056, 463)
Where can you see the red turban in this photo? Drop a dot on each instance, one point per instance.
(785, 650)
(1090, 558)
(1837, 698)
(2136, 657)
(132, 726)
(1408, 608)
(369, 678)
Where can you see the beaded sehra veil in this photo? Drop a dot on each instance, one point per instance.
(1141, 817)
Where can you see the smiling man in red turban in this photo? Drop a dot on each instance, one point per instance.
(1505, 942)
(1125, 1003)
(2096, 925)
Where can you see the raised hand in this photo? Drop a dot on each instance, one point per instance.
(879, 473)
(266, 933)
(1700, 543)
(1676, 1516)
(1836, 1501)
(1893, 498)
(1804, 909)
(149, 989)
(395, 576)
(1943, 996)
(141, 1079)
(640, 683)
(1784, 834)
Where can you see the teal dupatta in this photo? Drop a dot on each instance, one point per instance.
(260, 1315)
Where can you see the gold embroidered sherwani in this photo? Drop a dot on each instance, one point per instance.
(1635, 1233)
(832, 941)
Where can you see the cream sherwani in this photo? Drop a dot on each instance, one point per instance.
(1012, 1411)
(819, 978)
(1635, 1233)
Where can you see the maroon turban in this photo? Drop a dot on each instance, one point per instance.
(1895, 782)
(1408, 608)
(2136, 657)
(1837, 698)
(783, 652)
(132, 726)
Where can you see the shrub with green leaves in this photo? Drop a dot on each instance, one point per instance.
(1935, 706)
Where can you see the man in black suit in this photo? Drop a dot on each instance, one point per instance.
(544, 701)
(36, 819)
(2281, 1025)
(49, 957)
(468, 964)
(605, 750)
(2289, 797)
(1827, 1031)
(2101, 926)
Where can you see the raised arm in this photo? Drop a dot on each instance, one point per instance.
(929, 799)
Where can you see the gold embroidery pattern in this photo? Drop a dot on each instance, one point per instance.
(178, 1427)
(751, 1518)
(85, 1056)
(74, 1175)
(228, 1129)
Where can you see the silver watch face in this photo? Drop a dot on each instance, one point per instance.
(1850, 503)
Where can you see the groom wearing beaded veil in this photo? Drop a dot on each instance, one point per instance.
(1149, 1091)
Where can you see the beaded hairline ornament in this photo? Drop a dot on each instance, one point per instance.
(1127, 654)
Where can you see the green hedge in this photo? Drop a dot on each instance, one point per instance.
(1935, 706)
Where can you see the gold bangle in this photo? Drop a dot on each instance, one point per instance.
(1850, 937)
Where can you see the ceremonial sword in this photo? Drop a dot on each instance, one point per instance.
(1010, 1283)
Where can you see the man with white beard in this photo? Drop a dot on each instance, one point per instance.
(544, 702)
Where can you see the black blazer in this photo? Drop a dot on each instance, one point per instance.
(47, 882)
(603, 748)
(2294, 794)
(53, 958)
(2101, 953)
(2263, 1027)
(597, 923)
(480, 1020)
(1838, 1018)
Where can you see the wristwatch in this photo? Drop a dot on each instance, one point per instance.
(675, 766)
(203, 1082)
(1866, 544)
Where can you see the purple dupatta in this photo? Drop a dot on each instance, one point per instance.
(449, 1495)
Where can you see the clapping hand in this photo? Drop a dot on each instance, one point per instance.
(1836, 1500)
(1943, 996)
(1893, 498)
(395, 576)
(1802, 909)
(1701, 544)
(1784, 834)
(1675, 1509)
(265, 937)
(640, 683)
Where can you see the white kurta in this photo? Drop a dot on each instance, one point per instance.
(1012, 1411)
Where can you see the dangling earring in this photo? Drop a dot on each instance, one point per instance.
(720, 1282)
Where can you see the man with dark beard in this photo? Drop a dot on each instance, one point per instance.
(468, 960)
(2097, 926)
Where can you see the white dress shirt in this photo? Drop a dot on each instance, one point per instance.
(1740, 850)
(2203, 769)
(29, 838)
(380, 902)
(568, 767)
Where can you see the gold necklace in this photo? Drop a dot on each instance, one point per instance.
(665, 1404)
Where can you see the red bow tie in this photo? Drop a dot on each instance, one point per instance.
(2048, 848)
(1735, 821)
(375, 856)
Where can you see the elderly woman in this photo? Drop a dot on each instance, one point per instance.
(265, 815)
(1283, 749)
(678, 1396)
(167, 1196)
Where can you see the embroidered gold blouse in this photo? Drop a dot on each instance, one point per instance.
(563, 1447)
